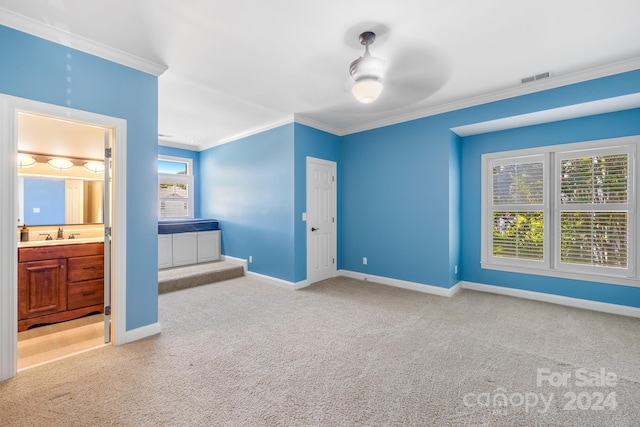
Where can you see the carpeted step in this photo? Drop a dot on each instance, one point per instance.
(174, 279)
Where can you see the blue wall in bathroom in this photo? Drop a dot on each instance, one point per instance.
(248, 185)
(195, 157)
(47, 195)
(40, 70)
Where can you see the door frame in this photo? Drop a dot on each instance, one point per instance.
(9, 108)
(334, 190)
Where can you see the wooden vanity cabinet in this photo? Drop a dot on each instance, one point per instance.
(59, 282)
(42, 288)
(85, 283)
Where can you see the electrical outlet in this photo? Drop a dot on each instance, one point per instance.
(455, 269)
(364, 260)
(250, 259)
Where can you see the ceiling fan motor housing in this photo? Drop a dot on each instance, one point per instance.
(367, 67)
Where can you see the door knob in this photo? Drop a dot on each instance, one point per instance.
(314, 229)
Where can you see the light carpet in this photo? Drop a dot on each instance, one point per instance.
(341, 353)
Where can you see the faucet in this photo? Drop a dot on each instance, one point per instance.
(60, 233)
(73, 235)
(48, 236)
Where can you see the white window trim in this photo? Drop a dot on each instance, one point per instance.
(551, 243)
(188, 179)
(487, 217)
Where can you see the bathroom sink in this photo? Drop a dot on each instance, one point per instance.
(76, 241)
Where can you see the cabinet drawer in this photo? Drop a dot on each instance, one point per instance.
(85, 268)
(84, 294)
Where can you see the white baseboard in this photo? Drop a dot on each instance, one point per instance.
(234, 260)
(277, 282)
(142, 332)
(622, 310)
(428, 289)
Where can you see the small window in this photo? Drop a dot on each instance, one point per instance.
(175, 187)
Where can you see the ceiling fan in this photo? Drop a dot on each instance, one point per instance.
(412, 72)
(407, 71)
(367, 72)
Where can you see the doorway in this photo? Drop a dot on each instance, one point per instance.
(114, 136)
(321, 220)
(62, 178)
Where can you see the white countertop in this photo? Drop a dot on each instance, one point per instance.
(76, 241)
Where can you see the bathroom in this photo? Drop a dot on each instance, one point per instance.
(61, 262)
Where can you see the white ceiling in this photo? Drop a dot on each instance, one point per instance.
(235, 67)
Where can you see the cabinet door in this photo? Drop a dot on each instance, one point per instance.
(185, 249)
(165, 251)
(42, 288)
(208, 246)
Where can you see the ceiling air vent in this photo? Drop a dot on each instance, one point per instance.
(536, 77)
(164, 136)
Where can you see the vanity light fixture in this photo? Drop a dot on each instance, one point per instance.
(25, 161)
(58, 163)
(95, 167)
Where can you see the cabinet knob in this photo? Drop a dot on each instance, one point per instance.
(61, 265)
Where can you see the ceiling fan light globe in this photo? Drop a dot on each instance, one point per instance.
(367, 90)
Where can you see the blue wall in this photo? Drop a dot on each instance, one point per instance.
(395, 202)
(406, 201)
(256, 188)
(584, 129)
(40, 70)
(310, 142)
(46, 194)
(408, 194)
(195, 157)
(248, 185)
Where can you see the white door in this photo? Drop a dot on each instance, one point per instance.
(321, 219)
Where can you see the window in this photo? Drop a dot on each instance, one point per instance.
(175, 187)
(565, 211)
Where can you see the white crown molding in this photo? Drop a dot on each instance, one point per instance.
(253, 131)
(303, 120)
(48, 32)
(174, 144)
(601, 106)
(524, 89)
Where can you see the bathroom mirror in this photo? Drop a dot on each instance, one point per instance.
(60, 200)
